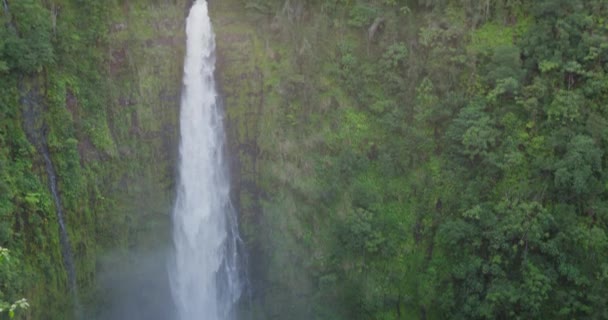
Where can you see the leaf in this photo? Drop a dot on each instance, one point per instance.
(547, 66)
(3, 66)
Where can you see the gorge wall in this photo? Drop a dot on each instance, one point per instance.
(104, 81)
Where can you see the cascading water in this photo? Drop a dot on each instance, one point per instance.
(64, 240)
(35, 132)
(204, 271)
(5, 6)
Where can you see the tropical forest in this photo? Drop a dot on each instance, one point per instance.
(303, 159)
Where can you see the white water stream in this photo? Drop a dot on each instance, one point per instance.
(204, 275)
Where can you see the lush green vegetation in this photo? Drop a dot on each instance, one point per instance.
(422, 159)
(77, 79)
(394, 159)
(8, 308)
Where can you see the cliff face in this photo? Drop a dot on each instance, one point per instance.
(146, 46)
(105, 104)
(270, 139)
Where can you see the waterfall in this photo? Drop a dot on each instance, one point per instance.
(64, 239)
(35, 132)
(5, 6)
(204, 271)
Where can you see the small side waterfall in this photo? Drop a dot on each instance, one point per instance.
(10, 24)
(64, 239)
(35, 131)
(5, 6)
(204, 272)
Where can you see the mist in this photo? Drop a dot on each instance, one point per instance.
(133, 286)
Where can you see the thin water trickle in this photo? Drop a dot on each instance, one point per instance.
(204, 271)
(64, 239)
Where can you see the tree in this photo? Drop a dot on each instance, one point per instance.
(5, 306)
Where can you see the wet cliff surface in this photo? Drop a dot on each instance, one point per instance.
(89, 140)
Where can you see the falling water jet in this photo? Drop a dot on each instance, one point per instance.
(204, 270)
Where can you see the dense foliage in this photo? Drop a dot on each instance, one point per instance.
(399, 159)
(69, 88)
(431, 159)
